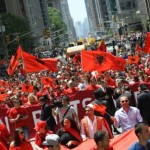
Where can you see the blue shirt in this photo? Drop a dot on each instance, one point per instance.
(137, 146)
(127, 120)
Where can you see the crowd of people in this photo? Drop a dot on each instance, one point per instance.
(111, 89)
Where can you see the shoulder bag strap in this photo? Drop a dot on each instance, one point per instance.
(66, 111)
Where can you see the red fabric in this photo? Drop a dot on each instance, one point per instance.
(4, 134)
(2, 146)
(13, 114)
(91, 87)
(74, 133)
(133, 59)
(3, 83)
(27, 88)
(3, 96)
(109, 148)
(102, 46)
(138, 47)
(32, 64)
(52, 63)
(47, 81)
(24, 146)
(146, 48)
(73, 90)
(11, 68)
(100, 61)
(40, 138)
(14, 62)
(100, 108)
(111, 82)
(124, 141)
(121, 64)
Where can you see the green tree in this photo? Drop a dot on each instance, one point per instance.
(56, 23)
(16, 26)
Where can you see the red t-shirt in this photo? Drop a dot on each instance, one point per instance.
(18, 111)
(4, 134)
(40, 138)
(69, 91)
(2, 147)
(24, 146)
(109, 148)
(92, 87)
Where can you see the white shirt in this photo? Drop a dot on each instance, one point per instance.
(92, 126)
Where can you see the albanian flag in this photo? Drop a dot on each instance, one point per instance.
(47, 81)
(133, 59)
(27, 88)
(14, 62)
(97, 60)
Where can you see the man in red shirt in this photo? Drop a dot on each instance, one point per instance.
(18, 116)
(102, 140)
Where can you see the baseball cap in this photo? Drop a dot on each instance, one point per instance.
(40, 124)
(51, 139)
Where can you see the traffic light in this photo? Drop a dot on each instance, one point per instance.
(7, 39)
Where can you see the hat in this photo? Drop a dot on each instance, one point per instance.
(143, 86)
(40, 124)
(51, 139)
(90, 105)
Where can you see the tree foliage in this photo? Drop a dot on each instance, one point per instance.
(56, 21)
(16, 26)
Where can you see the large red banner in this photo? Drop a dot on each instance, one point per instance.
(78, 100)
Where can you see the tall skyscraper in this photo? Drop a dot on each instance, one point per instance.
(68, 19)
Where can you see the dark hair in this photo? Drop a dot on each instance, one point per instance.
(66, 98)
(99, 94)
(127, 88)
(138, 127)
(123, 96)
(73, 123)
(17, 140)
(42, 99)
(99, 136)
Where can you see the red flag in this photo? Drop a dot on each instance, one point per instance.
(96, 60)
(100, 108)
(121, 64)
(52, 63)
(102, 46)
(3, 96)
(133, 59)
(27, 88)
(14, 62)
(32, 64)
(138, 47)
(146, 48)
(3, 83)
(11, 68)
(47, 81)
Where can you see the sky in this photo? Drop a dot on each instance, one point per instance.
(77, 10)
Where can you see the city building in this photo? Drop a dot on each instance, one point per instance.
(68, 19)
(34, 10)
(54, 3)
(79, 29)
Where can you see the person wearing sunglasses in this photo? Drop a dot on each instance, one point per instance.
(127, 116)
(20, 142)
